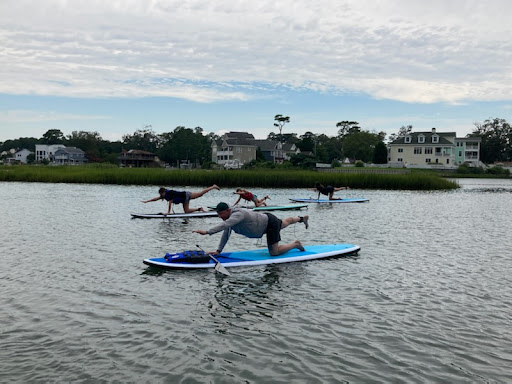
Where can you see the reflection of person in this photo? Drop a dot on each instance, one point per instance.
(246, 195)
(254, 224)
(328, 191)
(180, 197)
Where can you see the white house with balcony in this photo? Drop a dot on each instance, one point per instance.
(47, 152)
(424, 150)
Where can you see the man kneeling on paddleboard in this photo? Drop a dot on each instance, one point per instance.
(254, 224)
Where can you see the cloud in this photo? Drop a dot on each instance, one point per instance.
(30, 116)
(228, 50)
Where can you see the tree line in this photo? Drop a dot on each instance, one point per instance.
(192, 144)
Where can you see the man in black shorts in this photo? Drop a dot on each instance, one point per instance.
(254, 224)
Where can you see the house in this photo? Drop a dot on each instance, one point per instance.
(467, 150)
(69, 156)
(137, 158)
(22, 154)
(276, 152)
(424, 150)
(234, 146)
(47, 152)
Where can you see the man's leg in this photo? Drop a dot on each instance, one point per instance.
(296, 219)
(277, 250)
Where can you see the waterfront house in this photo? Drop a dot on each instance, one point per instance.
(21, 155)
(136, 158)
(69, 156)
(47, 152)
(239, 147)
(433, 149)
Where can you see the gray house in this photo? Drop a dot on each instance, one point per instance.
(69, 155)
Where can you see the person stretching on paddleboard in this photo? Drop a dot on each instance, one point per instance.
(328, 191)
(254, 224)
(181, 197)
(246, 195)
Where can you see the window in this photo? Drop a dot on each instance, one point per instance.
(427, 160)
(421, 139)
(407, 139)
(400, 150)
(460, 153)
(417, 150)
(400, 160)
(428, 150)
(435, 139)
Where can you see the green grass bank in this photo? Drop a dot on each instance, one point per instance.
(274, 178)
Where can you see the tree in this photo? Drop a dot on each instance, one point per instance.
(143, 139)
(347, 127)
(280, 121)
(402, 132)
(360, 145)
(185, 144)
(52, 136)
(496, 135)
(306, 142)
(380, 155)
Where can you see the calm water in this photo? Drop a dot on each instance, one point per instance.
(427, 300)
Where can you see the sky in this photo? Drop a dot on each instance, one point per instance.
(118, 66)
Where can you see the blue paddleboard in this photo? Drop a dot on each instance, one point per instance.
(254, 257)
(360, 200)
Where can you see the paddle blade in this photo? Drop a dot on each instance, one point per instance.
(220, 268)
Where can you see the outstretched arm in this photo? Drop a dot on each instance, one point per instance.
(153, 199)
(239, 198)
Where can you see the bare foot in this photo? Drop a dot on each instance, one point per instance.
(267, 197)
(215, 186)
(299, 246)
(305, 220)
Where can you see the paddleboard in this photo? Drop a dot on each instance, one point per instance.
(288, 207)
(173, 215)
(360, 200)
(254, 257)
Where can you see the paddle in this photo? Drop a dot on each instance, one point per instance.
(218, 265)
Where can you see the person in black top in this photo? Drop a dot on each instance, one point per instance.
(328, 191)
(180, 197)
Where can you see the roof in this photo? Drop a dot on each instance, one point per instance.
(428, 138)
(239, 138)
(70, 150)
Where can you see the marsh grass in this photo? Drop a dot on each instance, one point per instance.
(105, 174)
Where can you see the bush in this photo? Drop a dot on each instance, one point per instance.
(359, 163)
(497, 170)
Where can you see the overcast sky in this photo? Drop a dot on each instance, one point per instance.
(117, 66)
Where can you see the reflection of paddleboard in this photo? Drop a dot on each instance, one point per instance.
(254, 257)
(361, 200)
(173, 215)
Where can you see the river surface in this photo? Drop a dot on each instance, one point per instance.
(428, 299)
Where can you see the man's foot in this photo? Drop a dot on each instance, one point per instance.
(215, 186)
(200, 209)
(267, 197)
(299, 246)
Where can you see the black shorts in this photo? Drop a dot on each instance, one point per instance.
(273, 229)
